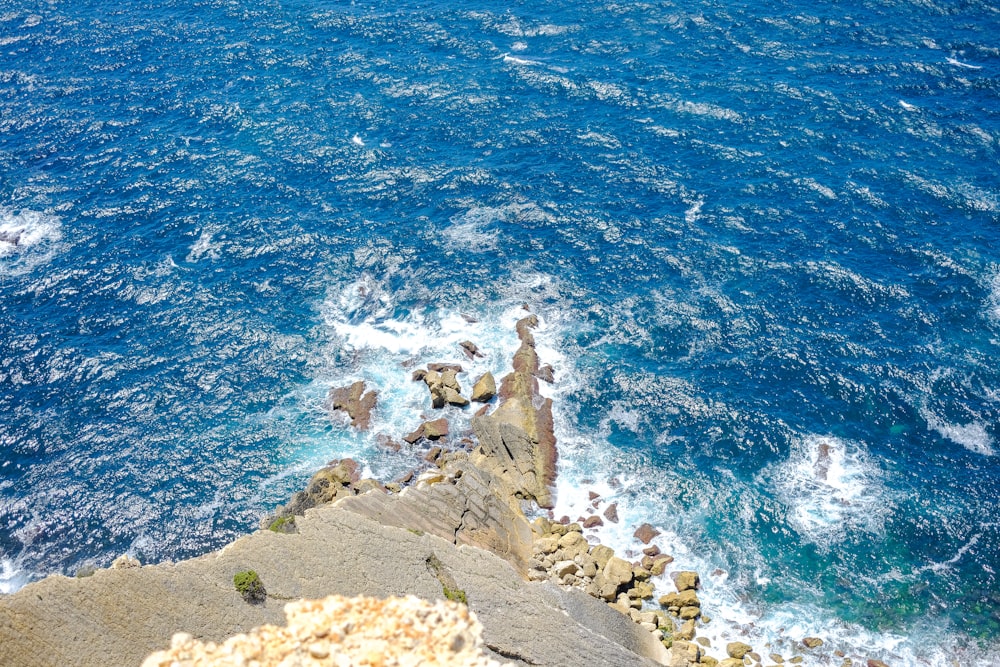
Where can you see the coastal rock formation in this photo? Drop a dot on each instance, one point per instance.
(484, 389)
(338, 630)
(353, 400)
(517, 441)
(119, 616)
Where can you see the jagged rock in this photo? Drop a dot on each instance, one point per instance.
(618, 571)
(329, 483)
(812, 642)
(660, 564)
(689, 612)
(125, 562)
(876, 663)
(611, 513)
(452, 397)
(413, 437)
(737, 650)
(686, 631)
(449, 378)
(645, 533)
(517, 441)
(685, 598)
(687, 580)
(440, 368)
(593, 522)
(429, 633)
(602, 554)
(353, 400)
(547, 545)
(546, 374)
(651, 550)
(484, 389)
(435, 430)
(471, 349)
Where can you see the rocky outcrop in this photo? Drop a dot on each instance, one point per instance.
(337, 479)
(517, 440)
(442, 382)
(118, 616)
(338, 630)
(353, 400)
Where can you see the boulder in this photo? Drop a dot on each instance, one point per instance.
(593, 522)
(731, 662)
(452, 397)
(872, 662)
(546, 374)
(618, 571)
(470, 349)
(645, 533)
(611, 513)
(353, 400)
(484, 389)
(602, 554)
(812, 642)
(687, 580)
(737, 650)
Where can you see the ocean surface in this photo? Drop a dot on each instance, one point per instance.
(763, 240)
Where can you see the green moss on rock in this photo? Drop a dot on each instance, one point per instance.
(249, 585)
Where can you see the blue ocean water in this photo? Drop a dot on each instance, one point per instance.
(764, 242)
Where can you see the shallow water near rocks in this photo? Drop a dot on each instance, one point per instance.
(764, 243)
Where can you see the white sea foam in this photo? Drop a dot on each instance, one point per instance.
(27, 239)
(972, 436)
(829, 486)
(11, 577)
(958, 63)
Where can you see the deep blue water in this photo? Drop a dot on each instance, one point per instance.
(755, 235)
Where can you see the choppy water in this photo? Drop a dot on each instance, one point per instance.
(764, 242)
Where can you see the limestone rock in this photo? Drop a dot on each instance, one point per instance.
(876, 663)
(470, 349)
(517, 441)
(731, 662)
(435, 430)
(592, 522)
(398, 630)
(737, 650)
(812, 642)
(687, 581)
(484, 389)
(618, 571)
(645, 533)
(353, 400)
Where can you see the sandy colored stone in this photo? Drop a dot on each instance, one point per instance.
(737, 649)
(687, 581)
(485, 388)
(338, 630)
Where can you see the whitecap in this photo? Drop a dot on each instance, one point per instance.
(972, 436)
(958, 63)
(830, 486)
(12, 578)
(24, 232)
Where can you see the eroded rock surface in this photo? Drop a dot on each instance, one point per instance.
(338, 630)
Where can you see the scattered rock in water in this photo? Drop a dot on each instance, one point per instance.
(687, 580)
(593, 495)
(812, 642)
(485, 388)
(645, 533)
(440, 368)
(435, 430)
(876, 663)
(546, 374)
(353, 400)
(611, 513)
(737, 650)
(593, 522)
(471, 349)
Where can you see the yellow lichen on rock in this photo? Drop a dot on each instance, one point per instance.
(345, 632)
